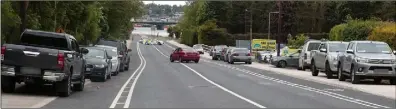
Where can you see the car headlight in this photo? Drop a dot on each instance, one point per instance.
(362, 60)
(100, 66)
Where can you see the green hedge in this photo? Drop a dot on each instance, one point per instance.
(336, 32)
(353, 30)
(385, 33)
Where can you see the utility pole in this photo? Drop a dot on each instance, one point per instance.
(269, 26)
(251, 25)
(22, 14)
(279, 28)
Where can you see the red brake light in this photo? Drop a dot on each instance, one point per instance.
(3, 49)
(248, 54)
(61, 60)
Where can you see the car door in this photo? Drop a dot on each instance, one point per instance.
(293, 59)
(348, 58)
(175, 54)
(77, 59)
(321, 56)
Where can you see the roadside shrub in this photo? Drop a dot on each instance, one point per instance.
(210, 34)
(385, 33)
(295, 43)
(358, 29)
(336, 32)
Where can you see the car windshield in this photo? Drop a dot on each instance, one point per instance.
(337, 47)
(313, 46)
(95, 53)
(241, 50)
(220, 47)
(188, 50)
(373, 48)
(197, 47)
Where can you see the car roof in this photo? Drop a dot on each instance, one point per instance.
(48, 34)
(337, 42)
(378, 42)
(106, 46)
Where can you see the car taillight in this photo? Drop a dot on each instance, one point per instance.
(248, 54)
(61, 60)
(3, 49)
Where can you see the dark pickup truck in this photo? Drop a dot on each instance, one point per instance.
(43, 58)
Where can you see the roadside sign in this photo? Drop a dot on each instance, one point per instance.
(262, 44)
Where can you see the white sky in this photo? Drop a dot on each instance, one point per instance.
(166, 2)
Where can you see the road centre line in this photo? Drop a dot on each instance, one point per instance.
(219, 86)
(324, 92)
(115, 101)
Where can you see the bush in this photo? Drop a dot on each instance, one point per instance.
(385, 33)
(297, 42)
(209, 34)
(336, 32)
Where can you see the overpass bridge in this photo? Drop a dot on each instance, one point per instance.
(160, 25)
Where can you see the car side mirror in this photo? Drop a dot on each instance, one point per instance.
(394, 52)
(84, 50)
(322, 50)
(129, 50)
(109, 57)
(349, 51)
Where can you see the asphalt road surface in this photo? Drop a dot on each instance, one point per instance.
(154, 82)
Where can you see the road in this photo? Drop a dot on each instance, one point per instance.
(154, 82)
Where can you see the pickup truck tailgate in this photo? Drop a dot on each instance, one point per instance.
(28, 56)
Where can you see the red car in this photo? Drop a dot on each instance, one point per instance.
(184, 55)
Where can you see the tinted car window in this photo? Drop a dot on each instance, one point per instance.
(95, 53)
(43, 41)
(313, 46)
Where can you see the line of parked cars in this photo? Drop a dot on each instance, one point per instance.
(43, 57)
(231, 54)
(355, 60)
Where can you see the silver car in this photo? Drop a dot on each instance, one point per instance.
(240, 55)
(367, 60)
(227, 54)
(286, 61)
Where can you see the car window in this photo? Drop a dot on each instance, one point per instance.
(313, 46)
(188, 50)
(337, 47)
(44, 41)
(95, 53)
(110, 43)
(373, 48)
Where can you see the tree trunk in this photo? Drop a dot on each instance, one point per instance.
(22, 14)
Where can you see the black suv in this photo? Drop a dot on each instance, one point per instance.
(122, 50)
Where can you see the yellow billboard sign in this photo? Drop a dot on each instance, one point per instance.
(263, 44)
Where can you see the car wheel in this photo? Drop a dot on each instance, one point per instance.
(171, 60)
(329, 73)
(79, 86)
(282, 64)
(109, 76)
(8, 84)
(231, 62)
(377, 80)
(341, 77)
(64, 87)
(121, 69)
(196, 61)
(314, 71)
(392, 81)
(354, 78)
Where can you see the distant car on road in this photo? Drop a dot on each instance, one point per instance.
(240, 55)
(199, 48)
(98, 64)
(115, 58)
(216, 51)
(325, 58)
(184, 55)
(43, 57)
(286, 61)
(367, 60)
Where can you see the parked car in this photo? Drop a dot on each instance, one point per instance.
(325, 58)
(367, 60)
(121, 49)
(199, 48)
(240, 55)
(184, 55)
(216, 51)
(43, 57)
(223, 52)
(304, 61)
(115, 58)
(98, 64)
(227, 53)
(290, 60)
(264, 56)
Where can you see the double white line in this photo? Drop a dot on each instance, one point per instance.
(124, 88)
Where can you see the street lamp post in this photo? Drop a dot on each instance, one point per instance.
(269, 26)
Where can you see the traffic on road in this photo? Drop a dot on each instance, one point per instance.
(92, 56)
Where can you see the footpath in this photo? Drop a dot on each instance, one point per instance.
(388, 91)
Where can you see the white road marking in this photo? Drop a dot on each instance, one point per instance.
(331, 94)
(219, 86)
(128, 100)
(114, 103)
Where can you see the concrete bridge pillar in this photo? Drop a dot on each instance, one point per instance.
(160, 27)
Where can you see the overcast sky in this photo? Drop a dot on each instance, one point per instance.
(166, 2)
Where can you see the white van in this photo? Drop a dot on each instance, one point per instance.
(304, 60)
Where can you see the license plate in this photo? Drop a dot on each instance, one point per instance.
(87, 69)
(381, 70)
(29, 70)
